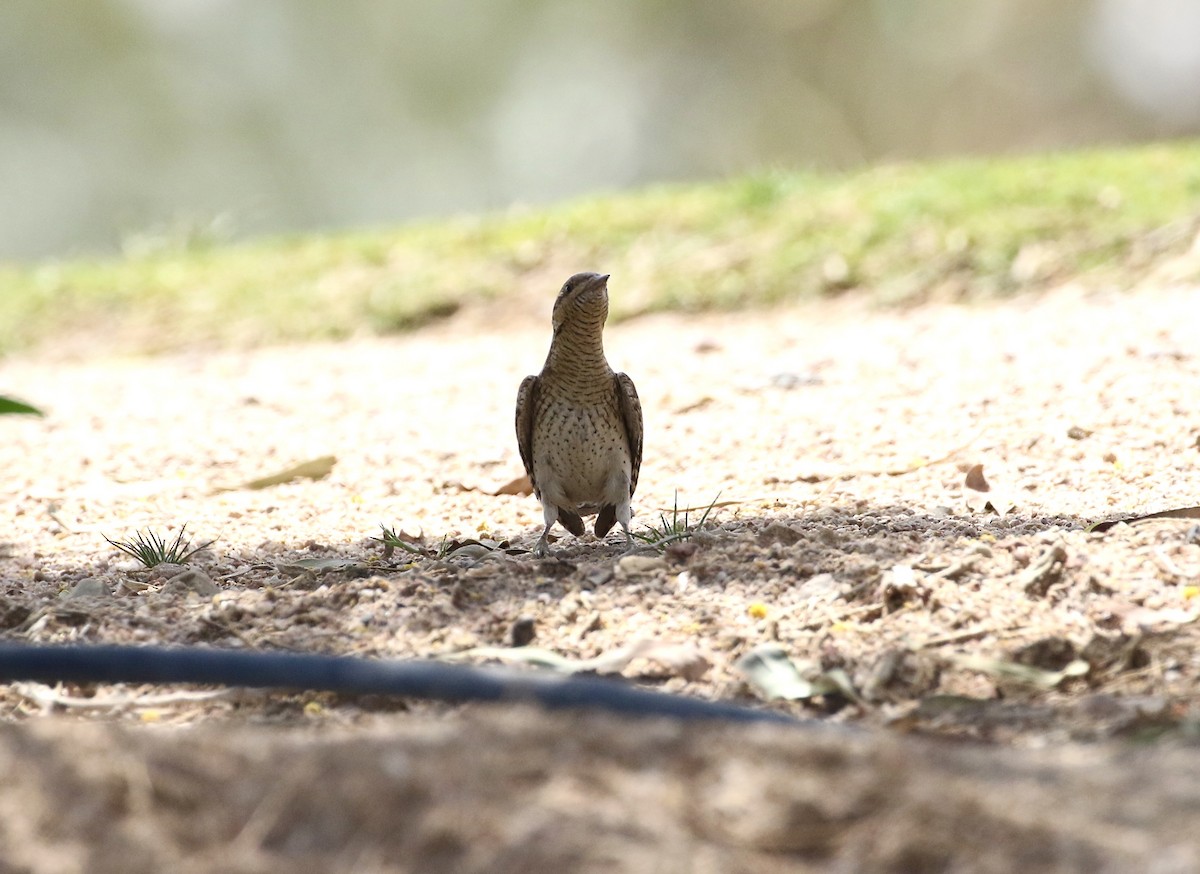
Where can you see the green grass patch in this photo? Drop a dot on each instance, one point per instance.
(961, 230)
(151, 549)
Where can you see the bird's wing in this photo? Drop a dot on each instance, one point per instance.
(526, 401)
(631, 417)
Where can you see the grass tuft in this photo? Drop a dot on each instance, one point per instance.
(392, 541)
(153, 549)
(675, 529)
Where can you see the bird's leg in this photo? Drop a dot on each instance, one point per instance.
(624, 517)
(539, 551)
(550, 514)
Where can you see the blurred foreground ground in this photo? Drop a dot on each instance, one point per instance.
(840, 438)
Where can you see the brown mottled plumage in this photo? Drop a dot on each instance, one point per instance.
(579, 425)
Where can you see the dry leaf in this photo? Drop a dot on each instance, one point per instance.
(981, 494)
(317, 468)
(519, 486)
(1179, 513)
(683, 660)
(1143, 619)
(769, 670)
(691, 407)
(319, 565)
(676, 659)
(975, 479)
(530, 655)
(1007, 670)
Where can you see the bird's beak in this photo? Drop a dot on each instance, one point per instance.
(596, 282)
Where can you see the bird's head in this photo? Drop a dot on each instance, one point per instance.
(582, 299)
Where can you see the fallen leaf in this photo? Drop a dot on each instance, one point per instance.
(1143, 619)
(693, 406)
(677, 659)
(519, 486)
(317, 468)
(470, 548)
(981, 494)
(975, 479)
(683, 660)
(769, 670)
(1027, 674)
(1179, 513)
(529, 655)
(319, 565)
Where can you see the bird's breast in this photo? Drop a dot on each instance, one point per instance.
(581, 451)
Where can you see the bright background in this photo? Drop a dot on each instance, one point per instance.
(125, 119)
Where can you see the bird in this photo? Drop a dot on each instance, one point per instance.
(579, 424)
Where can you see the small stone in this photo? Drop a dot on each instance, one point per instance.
(681, 550)
(635, 565)
(88, 587)
(523, 631)
(788, 381)
(190, 581)
(821, 584)
(568, 607)
(779, 533)
(598, 576)
(555, 567)
(828, 536)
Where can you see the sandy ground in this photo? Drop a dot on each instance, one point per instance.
(964, 655)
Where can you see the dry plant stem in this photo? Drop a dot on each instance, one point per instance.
(47, 696)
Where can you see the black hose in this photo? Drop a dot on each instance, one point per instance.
(432, 680)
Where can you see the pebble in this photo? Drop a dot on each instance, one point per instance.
(523, 631)
(190, 581)
(779, 533)
(634, 565)
(88, 587)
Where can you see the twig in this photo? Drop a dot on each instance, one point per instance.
(913, 468)
(968, 634)
(46, 696)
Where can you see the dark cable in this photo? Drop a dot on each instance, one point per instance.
(431, 680)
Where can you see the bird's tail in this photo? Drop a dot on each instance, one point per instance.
(573, 522)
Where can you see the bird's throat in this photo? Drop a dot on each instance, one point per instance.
(579, 349)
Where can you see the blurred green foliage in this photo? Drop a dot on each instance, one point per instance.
(963, 230)
(11, 406)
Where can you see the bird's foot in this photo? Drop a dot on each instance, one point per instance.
(634, 547)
